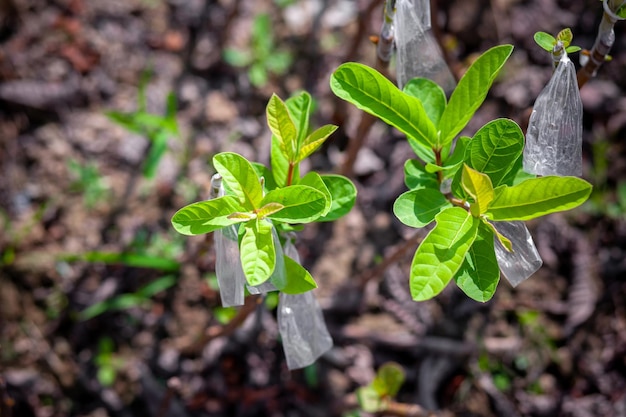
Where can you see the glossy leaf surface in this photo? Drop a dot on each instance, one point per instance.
(258, 255)
(343, 196)
(206, 216)
(240, 177)
(418, 208)
(302, 204)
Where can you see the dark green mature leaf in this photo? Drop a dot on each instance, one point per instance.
(442, 252)
(282, 127)
(206, 216)
(240, 177)
(538, 197)
(432, 96)
(299, 280)
(302, 204)
(343, 196)
(471, 92)
(372, 92)
(418, 208)
(258, 254)
(479, 275)
(416, 176)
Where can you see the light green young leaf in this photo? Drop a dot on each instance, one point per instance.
(239, 177)
(545, 41)
(453, 162)
(538, 197)
(388, 380)
(418, 208)
(299, 107)
(302, 204)
(471, 92)
(479, 275)
(343, 196)
(442, 252)
(504, 241)
(282, 127)
(369, 400)
(313, 179)
(372, 92)
(416, 176)
(432, 96)
(206, 216)
(312, 142)
(258, 254)
(269, 209)
(478, 186)
(280, 165)
(299, 280)
(565, 36)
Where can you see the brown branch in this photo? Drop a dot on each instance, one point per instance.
(601, 47)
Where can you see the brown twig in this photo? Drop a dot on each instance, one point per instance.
(602, 45)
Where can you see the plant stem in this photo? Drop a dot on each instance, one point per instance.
(290, 174)
(603, 43)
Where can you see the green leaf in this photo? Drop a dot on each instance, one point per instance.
(495, 149)
(442, 252)
(157, 149)
(545, 41)
(388, 380)
(418, 208)
(471, 92)
(504, 241)
(479, 275)
(369, 400)
(258, 254)
(538, 197)
(269, 209)
(299, 107)
(454, 161)
(478, 186)
(343, 196)
(372, 92)
(313, 179)
(282, 127)
(206, 216)
(237, 58)
(565, 36)
(302, 204)
(257, 74)
(416, 176)
(299, 280)
(312, 142)
(432, 96)
(280, 165)
(134, 260)
(240, 177)
(572, 48)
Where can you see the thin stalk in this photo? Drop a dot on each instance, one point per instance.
(603, 43)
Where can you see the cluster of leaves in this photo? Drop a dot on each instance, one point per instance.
(464, 186)
(265, 204)
(156, 128)
(563, 38)
(263, 57)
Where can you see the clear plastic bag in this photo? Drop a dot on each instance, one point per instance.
(519, 265)
(418, 54)
(554, 136)
(301, 324)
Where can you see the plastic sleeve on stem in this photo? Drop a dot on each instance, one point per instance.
(519, 265)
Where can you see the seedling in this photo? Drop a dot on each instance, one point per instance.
(107, 362)
(263, 58)
(156, 128)
(376, 397)
(255, 211)
(468, 186)
(89, 182)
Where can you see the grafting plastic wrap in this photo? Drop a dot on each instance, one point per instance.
(554, 136)
(519, 265)
(418, 54)
(230, 277)
(301, 324)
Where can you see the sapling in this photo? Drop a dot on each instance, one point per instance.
(469, 187)
(256, 210)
